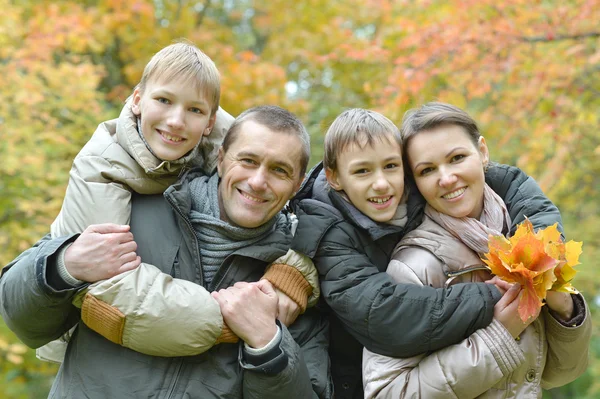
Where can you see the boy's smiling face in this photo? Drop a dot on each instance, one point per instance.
(174, 117)
(372, 176)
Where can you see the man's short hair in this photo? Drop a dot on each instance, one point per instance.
(276, 119)
(357, 126)
(434, 114)
(185, 61)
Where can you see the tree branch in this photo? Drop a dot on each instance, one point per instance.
(551, 38)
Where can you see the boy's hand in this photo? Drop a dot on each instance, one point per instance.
(102, 251)
(506, 311)
(502, 285)
(288, 309)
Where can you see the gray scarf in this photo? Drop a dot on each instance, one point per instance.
(217, 238)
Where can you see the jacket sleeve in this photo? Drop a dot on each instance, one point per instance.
(91, 199)
(140, 307)
(487, 356)
(386, 317)
(523, 197)
(296, 276)
(35, 311)
(568, 349)
(307, 372)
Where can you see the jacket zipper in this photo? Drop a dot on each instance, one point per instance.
(197, 250)
(469, 269)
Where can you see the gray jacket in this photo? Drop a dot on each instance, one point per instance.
(38, 310)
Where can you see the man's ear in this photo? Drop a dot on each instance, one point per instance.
(220, 158)
(332, 179)
(137, 98)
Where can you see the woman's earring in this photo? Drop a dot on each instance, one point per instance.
(486, 166)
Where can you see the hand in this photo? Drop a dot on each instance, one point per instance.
(561, 303)
(506, 311)
(250, 310)
(102, 251)
(502, 285)
(288, 309)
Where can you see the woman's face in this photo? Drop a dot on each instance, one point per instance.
(448, 170)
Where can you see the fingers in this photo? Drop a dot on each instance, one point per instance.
(130, 265)
(502, 285)
(107, 228)
(265, 286)
(509, 296)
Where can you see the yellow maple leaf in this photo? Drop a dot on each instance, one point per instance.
(538, 261)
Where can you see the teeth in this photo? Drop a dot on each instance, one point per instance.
(379, 200)
(454, 194)
(254, 199)
(171, 138)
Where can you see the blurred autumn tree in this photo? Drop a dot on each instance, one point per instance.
(527, 70)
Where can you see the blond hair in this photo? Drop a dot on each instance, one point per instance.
(357, 126)
(185, 61)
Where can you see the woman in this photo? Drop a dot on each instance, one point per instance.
(509, 358)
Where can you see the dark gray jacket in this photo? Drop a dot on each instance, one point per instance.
(351, 253)
(96, 368)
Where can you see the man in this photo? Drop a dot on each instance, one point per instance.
(232, 218)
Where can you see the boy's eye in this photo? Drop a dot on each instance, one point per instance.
(361, 171)
(163, 100)
(391, 166)
(196, 110)
(457, 157)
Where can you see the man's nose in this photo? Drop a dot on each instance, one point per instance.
(258, 180)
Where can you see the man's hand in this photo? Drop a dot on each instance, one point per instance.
(102, 251)
(288, 309)
(506, 311)
(561, 303)
(250, 310)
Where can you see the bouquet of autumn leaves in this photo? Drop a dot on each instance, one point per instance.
(539, 261)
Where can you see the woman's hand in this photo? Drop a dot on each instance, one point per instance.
(561, 303)
(506, 312)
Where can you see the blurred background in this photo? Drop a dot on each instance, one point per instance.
(528, 71)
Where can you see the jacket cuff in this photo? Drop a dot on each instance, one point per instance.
(578, 312)
(503, 346)
(227, 336)
(269, 360)
(103, 318)
(291, 282)
(62, 268)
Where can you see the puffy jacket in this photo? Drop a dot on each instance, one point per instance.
(547, 354)
(94, 367)
(115, 163)
(367, 309)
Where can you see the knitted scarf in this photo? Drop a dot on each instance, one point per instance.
(474, 233)
(218, 239)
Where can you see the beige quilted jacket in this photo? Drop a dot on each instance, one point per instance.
(488, 364)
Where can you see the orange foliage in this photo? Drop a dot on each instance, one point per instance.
(538, 261)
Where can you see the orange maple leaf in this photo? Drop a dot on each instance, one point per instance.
(538, 261)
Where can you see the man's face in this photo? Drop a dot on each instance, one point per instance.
(174, 115)
(259, 173)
